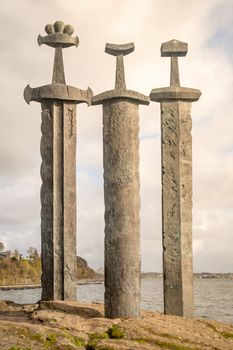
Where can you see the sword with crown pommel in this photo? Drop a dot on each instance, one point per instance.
(58, 169)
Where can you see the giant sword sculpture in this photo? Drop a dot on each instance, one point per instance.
(58, 169)
(176, 143)
(121, 191)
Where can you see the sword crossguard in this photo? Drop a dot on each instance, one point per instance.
(57, 92)
(174, 49)
(120, 91)
(119, 51)
(59, 37)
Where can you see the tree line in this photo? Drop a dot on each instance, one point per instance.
(16, 269)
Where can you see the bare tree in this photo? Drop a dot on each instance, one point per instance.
(33, 253)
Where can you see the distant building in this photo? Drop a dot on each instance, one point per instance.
(26, 257)
(10, 254)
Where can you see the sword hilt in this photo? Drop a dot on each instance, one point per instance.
(59, 37)
(174, 49)
(119, 51)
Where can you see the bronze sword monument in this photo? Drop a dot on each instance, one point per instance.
(58, 169)
(176, 141)
(121, 191)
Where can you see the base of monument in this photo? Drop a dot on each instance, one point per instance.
(72, 325)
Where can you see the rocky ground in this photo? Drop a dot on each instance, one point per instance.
(71, 325)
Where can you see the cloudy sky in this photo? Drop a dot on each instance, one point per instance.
(207, 27)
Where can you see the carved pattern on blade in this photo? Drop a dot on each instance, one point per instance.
(186, 205)
(46, 148)
(69, 195)
(122, 206)
(70, 122)
(177, 207)
(122, 128)
(171, 208)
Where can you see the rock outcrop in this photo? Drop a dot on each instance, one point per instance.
(84, 271)
(59, 325)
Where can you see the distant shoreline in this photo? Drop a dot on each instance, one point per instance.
(85, 281)
(38, 285)
(21, 286)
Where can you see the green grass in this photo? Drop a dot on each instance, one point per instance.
(97, 336)
(50, 340)
(115, 332)
(36, 336)
(93, 339)
(227, 334)
(78, 341)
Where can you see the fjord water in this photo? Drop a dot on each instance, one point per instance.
(213, 297)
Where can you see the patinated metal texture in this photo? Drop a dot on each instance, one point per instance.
(121, 192)
(176, 147)
(58, 169)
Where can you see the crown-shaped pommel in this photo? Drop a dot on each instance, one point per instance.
(59, 35)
